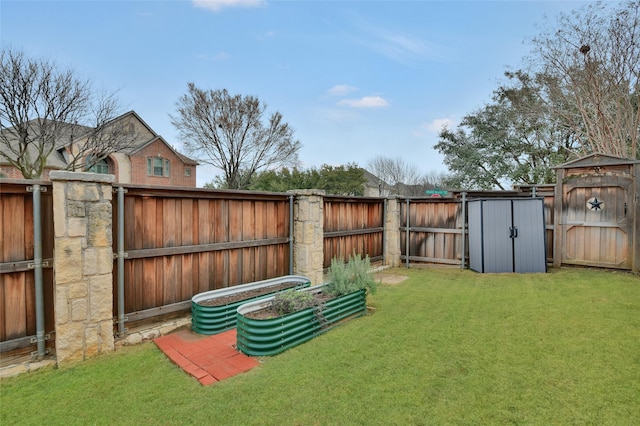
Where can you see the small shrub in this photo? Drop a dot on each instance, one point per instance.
(345, 278)
(292, 300)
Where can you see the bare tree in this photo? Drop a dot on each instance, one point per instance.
(591, 65)
(394, 175)
(434, 180)
(228, 132)
(46, 110)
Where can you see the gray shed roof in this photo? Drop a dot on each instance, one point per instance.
(597, 159)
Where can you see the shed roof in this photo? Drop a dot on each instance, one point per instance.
(597, 159)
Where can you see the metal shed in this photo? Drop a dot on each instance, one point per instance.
(507, 235)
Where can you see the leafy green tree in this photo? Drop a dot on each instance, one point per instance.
(342, 180)
(590, 61)
(580, 96)
(286, 179)
(336, 180)
(509, 141)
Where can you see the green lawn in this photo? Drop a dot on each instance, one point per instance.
(444, 347)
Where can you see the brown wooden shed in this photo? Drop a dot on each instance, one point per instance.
(597, 213)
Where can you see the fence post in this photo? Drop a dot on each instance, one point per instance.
(558, 235)
(407, 233)
(37, 269)
(83, 264)
(392, 233)
(634, 207)
(463, 233)
(308, 234)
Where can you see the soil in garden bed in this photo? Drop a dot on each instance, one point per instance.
(249, 294)
(268, 313)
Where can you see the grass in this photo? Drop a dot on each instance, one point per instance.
(443, 347)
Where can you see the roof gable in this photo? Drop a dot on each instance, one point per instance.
(160, 139)
(69, 133)
(127, 115)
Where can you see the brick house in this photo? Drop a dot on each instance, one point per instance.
(147, 158)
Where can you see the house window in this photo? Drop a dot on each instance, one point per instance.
(158, 166)
(187, 171)
(101, 167)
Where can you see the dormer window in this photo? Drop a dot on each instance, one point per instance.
(157, 166)
(101, 167)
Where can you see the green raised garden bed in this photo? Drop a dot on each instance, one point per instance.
(271, 336)
(214, 311)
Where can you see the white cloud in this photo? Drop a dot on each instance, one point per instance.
(338, 116)
(266, 36)
(399, 47)
(218, 5)
(341, 90)
(220, 56)
(365, 102)
(436, 125)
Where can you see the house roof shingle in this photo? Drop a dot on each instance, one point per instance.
(70, 132)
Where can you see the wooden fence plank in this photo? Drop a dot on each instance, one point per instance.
(3, 309)
(187, 224)
(14, 235)
(15, 305)
(30, 302)
(187, 276)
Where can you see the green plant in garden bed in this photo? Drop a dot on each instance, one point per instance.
(345, 278)
(291, 301)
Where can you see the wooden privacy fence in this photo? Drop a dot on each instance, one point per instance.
(431, 230)
(353, 224)
(546, 192)
(178, 243)
(17, 282)
(171, 244)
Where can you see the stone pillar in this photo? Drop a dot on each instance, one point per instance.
(308, 238)
(391, 243)
(83, 264)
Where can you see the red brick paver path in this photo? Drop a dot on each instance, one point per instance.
(207, 358)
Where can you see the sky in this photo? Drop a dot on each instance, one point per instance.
(355, 79)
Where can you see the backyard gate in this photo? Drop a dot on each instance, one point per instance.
(597, 209)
